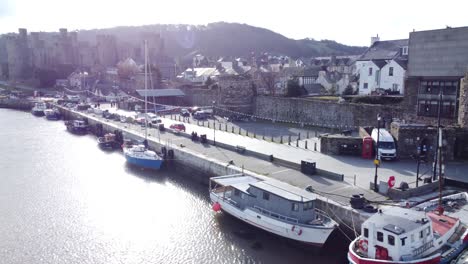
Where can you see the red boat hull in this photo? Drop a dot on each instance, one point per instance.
(355, 259)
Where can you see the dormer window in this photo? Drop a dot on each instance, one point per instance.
(404, 50)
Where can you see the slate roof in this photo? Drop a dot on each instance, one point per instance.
(379, 63)
(161, 92)
(384, 50)
(438, 53)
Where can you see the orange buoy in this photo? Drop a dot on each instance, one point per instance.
(216, 207)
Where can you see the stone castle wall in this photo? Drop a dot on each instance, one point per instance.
(235, 94)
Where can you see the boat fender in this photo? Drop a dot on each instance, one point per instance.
(216, 207)
(363, 245)
(298, 232)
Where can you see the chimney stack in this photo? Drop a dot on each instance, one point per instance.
(374, 39)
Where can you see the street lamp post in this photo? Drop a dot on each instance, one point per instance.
(377, 154)
(214, 124)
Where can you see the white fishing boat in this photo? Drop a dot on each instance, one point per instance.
(273, 206)
(403, 235)
(38, 109)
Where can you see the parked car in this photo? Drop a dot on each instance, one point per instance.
(177, 127)
(154, 122)
(184, 112)
(194, 109)
(201, 115)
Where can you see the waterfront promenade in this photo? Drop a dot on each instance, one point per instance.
(338, 191)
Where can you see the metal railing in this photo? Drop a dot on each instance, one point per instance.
(276, 215)
(423, 248)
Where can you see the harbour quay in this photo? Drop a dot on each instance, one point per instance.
(205, 160)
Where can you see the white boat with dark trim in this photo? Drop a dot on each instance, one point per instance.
(273, 206)
(401, 235)
(39, 108)
(52, 114)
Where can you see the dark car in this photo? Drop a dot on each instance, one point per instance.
(184, 112)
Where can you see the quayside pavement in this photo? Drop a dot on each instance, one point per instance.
(338, 191)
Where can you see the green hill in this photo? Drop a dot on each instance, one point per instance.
(225, 39)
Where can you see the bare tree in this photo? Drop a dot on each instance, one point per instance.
(268, 79)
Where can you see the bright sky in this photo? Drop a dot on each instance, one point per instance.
(348, 22)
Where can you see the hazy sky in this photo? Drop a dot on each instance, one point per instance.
(348, 22)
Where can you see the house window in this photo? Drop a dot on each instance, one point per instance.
(380, 236)
(370, 71)
(421, 234)
(403, 240)
(428, 230)
(366, 232)
(412, 238)
(404, 50)
(391, 240)
(266, 196)
(295, 207)
(236, 192)
(366, 85)
(242, 195)
(390, 71)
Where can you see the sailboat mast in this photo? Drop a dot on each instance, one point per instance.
(146, 89)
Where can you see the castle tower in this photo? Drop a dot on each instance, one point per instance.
(107, 50)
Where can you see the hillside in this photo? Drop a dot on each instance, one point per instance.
(225, 39)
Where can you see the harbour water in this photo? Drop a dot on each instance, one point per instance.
(63, 200)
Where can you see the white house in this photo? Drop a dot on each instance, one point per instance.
(383, 66)
(199, 75)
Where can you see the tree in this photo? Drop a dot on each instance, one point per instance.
(269, 80)
(208, 81)
(348, 90)
(293, 88)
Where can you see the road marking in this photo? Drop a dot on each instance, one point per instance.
(280, 171)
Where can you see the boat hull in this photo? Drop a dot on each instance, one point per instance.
(308, 235)
(37, 112)
(108, 145)
(354, 258)
(53, 117)
(76, 130)
(144, 163)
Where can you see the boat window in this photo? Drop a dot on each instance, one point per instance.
(428, 230)
(380, 236)
(403, 241)
(421, 234)
(236, 192)
(266, 196)
(366, 232)
(295, 207)
(391, 240)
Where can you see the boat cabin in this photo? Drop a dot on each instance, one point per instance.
(403, 234)
(268, 197)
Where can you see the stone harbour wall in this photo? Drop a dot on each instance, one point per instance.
(322, 113)
(463, 102)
